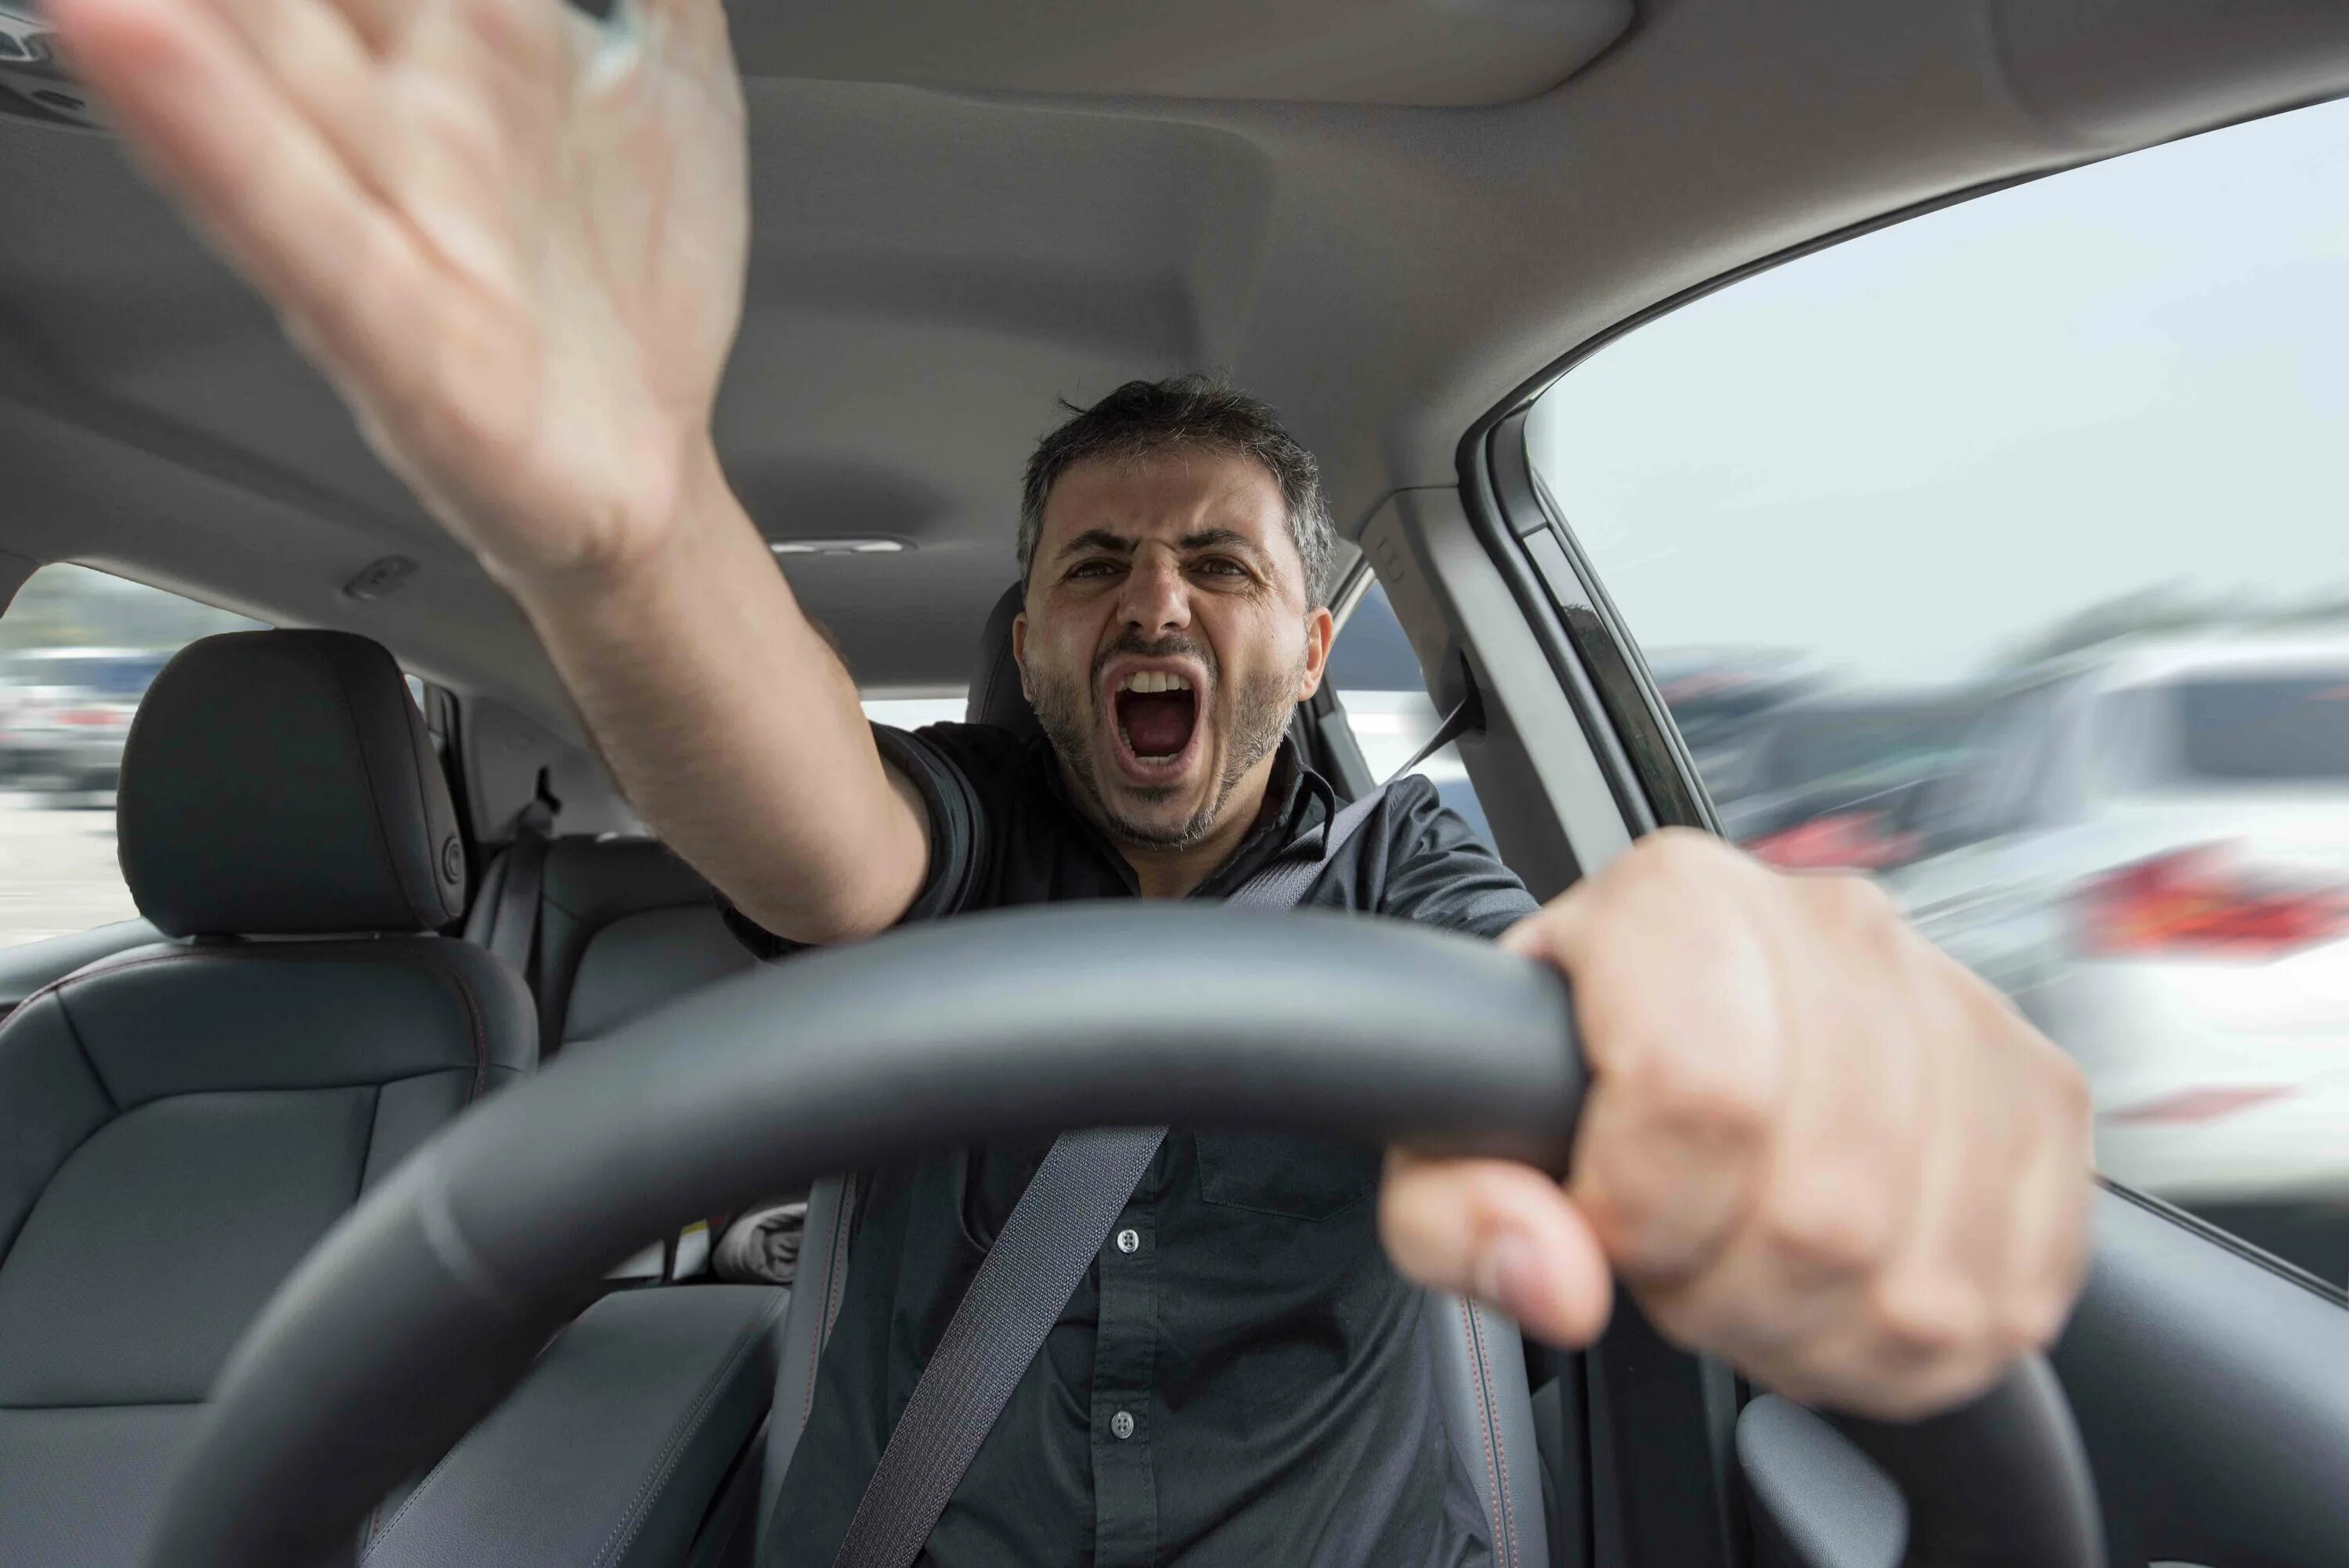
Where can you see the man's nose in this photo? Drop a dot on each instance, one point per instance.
(1157, 598)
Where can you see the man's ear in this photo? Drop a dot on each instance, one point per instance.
(1320, 634)
(1019, 652)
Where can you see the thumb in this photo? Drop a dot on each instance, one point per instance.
(1502, 1233)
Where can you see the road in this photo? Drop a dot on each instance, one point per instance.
(56, 870)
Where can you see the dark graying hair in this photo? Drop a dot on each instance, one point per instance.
(1143, 418)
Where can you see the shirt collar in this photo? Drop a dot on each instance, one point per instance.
(1301, 802)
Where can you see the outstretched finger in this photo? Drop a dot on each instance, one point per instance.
(254, 174)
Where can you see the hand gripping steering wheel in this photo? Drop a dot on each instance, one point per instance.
(428, 1302)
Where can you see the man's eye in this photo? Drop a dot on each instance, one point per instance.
(1100, 568)
(1222, 566)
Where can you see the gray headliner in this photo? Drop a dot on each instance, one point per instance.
(933, 269)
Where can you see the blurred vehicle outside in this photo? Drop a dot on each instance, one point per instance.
(78, 650)
(2150, 854)
(1720, 696)
(1837, 781)
(70, 711)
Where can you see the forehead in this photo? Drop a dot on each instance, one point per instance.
(1166, 494)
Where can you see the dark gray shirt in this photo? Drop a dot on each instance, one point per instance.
(1248, 1384)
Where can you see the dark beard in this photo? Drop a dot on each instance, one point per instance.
(1065, 710)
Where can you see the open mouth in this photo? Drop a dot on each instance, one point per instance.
(1157, 712)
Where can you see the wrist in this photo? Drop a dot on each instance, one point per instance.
(646, 543)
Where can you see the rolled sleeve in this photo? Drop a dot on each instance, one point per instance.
(957, 828)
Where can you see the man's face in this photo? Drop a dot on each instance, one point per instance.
(1167, 637)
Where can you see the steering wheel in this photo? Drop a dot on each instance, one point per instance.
(428, 1302)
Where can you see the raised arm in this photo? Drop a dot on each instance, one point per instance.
(514, 239)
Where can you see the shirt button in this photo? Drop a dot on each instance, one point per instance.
(1121, 1425)
(1129, 1241)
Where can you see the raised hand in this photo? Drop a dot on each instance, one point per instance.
(513, 237)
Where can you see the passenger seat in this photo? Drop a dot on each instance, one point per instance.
(180, 1123)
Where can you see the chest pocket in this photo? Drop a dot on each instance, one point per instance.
(1296, 1178)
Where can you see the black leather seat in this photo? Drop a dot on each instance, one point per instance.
(1476, 1357)
(181, 1122)
(624, 927)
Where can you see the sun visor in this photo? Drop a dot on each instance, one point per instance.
(1419, 52)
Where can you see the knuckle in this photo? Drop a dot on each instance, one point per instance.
(1925, 1317)
(1708, 1101)
(1858, 906)
(1822, 1226)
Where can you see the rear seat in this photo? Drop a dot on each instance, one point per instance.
(624, 927)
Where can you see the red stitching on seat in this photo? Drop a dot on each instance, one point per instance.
(1492, 1426)
(1507, 1558)
(328, 950)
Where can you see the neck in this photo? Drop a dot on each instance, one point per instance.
(1172, 873)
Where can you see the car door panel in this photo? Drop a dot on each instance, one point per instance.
(2216, 1415)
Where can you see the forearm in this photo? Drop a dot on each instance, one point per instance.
(732, 726)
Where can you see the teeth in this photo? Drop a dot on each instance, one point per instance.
(1147, 682)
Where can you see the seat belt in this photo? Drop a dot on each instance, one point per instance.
(1055, 1231)
(513, 930)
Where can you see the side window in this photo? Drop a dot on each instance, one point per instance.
(913, 712)
(2066, 456)
(1376, 678)
(78, 648)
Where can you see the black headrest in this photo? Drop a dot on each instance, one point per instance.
(280, 783)
(995, 695)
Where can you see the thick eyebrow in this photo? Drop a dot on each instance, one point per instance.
(1206, 539)
(1219, 539)
(1098, 538)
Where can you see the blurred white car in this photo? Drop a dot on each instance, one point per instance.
(68, 713)
(2147, 851)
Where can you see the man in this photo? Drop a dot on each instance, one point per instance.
(515, 240)
(1176, 550)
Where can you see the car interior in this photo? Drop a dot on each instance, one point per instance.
(314, 1177)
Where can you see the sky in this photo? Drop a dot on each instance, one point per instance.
(1911, 451)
